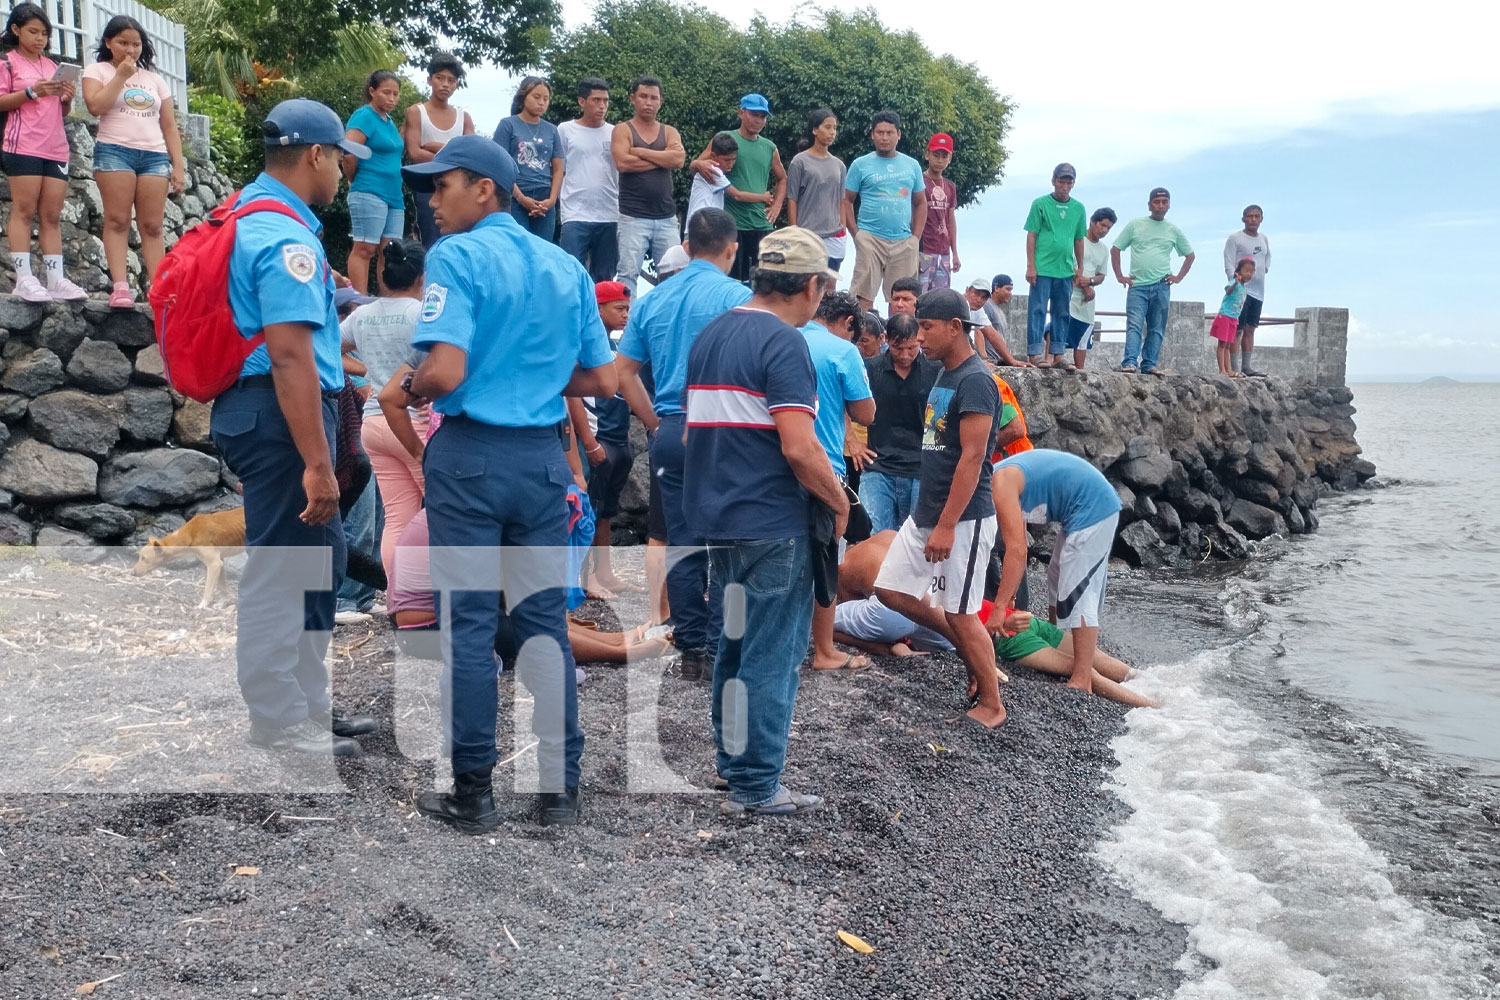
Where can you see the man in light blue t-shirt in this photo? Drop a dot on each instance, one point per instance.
(892, 207)
(843, 390)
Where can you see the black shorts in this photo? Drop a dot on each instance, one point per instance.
(1250, 312)
(607, 479)
(656, 515)
(747, 254)
(17, 165)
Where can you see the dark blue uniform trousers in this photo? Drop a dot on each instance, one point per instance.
(286, 594)
(697, 619)
(489, 487)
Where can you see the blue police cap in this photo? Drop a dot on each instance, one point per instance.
(303, 122)
(471, 152)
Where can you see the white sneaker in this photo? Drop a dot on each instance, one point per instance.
(28, 289)
(350, 618)
(66, 291)
(377, 609)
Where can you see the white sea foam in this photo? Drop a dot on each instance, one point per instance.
(1281, 896)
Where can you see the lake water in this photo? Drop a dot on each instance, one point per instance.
(1318, 800)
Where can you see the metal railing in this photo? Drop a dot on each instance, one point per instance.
(1264, 321)
(77, 25)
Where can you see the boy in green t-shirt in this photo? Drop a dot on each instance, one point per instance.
(1055, 228)
(1037, 643)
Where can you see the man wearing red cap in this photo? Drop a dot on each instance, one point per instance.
(939, 246)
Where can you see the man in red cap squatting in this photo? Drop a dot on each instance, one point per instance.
(602, 426)
(939, 245)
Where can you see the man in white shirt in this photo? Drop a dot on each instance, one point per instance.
(1249, 242)
(1080, 333)
(589, 200)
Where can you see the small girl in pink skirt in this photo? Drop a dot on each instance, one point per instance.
(1226, 324)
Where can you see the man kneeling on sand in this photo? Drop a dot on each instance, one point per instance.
(862, 621)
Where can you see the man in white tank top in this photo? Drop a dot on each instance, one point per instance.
(428, 127)
(589, 200)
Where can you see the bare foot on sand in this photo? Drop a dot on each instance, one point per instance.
(837, 662)
(1082, 684)
(987, 716)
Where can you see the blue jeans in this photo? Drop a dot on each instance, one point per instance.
(889, 500)
(503, 486)
(595, 244)
(362, 527)
(544, 226)
(636, 237)
(1053, 291)
(279, 655)
(756, 671)
(696, 620)
(1146, 306)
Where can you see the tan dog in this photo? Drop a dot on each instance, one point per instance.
(208, 537)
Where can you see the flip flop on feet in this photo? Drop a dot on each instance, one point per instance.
(851, 661)
(1128, 369)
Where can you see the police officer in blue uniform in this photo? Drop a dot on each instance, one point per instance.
(275, 428)
(511, 325)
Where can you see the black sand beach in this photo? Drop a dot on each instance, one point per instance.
(961, 855)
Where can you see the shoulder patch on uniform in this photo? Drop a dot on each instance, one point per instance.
(433, 302)
(300, 261)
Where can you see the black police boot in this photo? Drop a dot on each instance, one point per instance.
(558, 808)
(346, 725)
(696, 665)
(306, 736)
(469, 808)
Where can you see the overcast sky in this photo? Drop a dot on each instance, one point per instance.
(1371, 140)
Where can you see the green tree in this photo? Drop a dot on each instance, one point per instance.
(849, 62)
(511, 33)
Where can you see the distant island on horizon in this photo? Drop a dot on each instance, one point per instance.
(1440, 379)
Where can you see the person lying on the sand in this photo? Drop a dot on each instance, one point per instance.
(1037, 643)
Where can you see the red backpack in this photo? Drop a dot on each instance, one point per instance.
(202, 351)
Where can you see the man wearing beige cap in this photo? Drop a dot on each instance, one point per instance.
(751, 399)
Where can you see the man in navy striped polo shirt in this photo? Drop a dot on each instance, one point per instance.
(751, 398)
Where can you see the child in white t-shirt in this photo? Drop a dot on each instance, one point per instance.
(722, 152)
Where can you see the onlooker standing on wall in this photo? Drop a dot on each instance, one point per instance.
(532, 142)
(757, 182)
(430, 124)
(589, 203)
(377, 207)
(892, 201)
(1150, 241)
(35, 151)
(645, 152)
(138, 152)
(938, 249)
(1054, 259)
(815, 185)
(1249, 242)
(1080, 334)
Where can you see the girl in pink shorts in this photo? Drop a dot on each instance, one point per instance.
(1226, 324)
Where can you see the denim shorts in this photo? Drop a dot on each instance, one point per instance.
(142, 162)
(372, 220)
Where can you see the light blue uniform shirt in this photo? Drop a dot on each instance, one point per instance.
(841, 379)
(1063, 487)
(524, 311)
(278, 273)
(662, 328)
(885, 185)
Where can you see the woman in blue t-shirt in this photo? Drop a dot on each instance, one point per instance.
(532, 143)
(376, 208)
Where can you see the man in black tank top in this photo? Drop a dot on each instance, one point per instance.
(646, 152)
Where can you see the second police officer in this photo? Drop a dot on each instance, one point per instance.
(511, 325)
